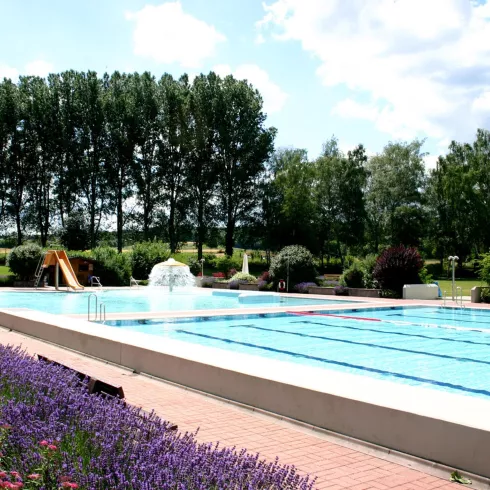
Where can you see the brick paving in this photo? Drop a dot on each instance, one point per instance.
(336, 465)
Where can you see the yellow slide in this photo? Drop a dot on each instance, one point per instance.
(59, 256)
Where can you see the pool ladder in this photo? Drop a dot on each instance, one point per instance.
(100, 310)
(459, 292)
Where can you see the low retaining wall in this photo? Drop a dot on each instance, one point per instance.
(365, 293)
(248, 287)
(220, 285)
(433, 425)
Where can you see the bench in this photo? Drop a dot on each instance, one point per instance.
(97, 386)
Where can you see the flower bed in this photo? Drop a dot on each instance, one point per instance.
(56, 435)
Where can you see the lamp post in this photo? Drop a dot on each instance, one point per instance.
(453, 259)
(287, 276)
(202, 267)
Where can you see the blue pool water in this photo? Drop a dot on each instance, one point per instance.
(149, 300)
(438, 348)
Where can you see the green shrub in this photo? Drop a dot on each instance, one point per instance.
(3, 259)
(23, 260)
(145, 255)
(225, 263)
(367, 266)
(353, 277)
(6, 281)
(113, 268)
(241, 276)
(485, 295)
(298, 260)
(484, 270)
(194, 265)
(397, 266)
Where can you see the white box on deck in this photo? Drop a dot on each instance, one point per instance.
(420, 291)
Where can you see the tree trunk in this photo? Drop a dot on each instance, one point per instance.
(19, 226)
(229, 241)
(119, 220)
(201, 230)
(171, 226)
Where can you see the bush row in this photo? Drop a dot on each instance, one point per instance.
(53, 432)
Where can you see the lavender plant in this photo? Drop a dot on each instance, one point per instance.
(302, 287)
(102, 443)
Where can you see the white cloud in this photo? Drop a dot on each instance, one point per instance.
(424, 67)
(8, 72)
(260, 39)
(38, 68)
(166, 34)
(273, 95)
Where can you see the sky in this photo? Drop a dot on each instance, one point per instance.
(366, 71)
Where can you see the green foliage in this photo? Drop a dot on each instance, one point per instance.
(145, 255)
(113, 268)
(7, 281)
(241, 276)
(485, 295)
(23, 260)
(367, 266)
(194, 265)
(353, 277)
(75, 234)
(3, 259)
(425, 276)
(298, 261)
(484, 270)
(225, 263)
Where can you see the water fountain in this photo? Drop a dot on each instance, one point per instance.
(172, 274)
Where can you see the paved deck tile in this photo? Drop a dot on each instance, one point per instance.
(336, 466)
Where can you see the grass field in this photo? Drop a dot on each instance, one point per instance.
(4, 270)
(466, 284)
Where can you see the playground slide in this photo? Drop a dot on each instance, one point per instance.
(65, 266)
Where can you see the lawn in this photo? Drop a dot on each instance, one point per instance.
(466, 284)
(4, 270)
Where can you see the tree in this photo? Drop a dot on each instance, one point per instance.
(339, 196)
(121, 114)
(173, 151)
(202, 174)
(396, 178)
(75, 235)
(147, 175)
(243, 146)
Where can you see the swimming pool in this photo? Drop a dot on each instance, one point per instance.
(439, 348)
(150, 300)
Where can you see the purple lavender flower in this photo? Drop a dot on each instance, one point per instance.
(104, 443)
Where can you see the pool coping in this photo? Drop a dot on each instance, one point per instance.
(442, 427)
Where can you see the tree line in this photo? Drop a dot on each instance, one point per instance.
(161, 155)
(351, 203)
(172, 158)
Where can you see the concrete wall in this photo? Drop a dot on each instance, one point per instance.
(433, 425)
(420, 291)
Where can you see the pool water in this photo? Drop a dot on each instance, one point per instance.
(438, 348)
(149, 300)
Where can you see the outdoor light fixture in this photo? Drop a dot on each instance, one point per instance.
(453, 259)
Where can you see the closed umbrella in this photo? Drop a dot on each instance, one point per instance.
(245, 264)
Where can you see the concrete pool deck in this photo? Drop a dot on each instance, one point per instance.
(338, 462)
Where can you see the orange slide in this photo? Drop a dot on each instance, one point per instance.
(59, 256)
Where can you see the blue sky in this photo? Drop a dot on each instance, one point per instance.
(368, 71)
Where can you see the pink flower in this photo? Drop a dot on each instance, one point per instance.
(5, 426)
(44, 443)
(52, 447)
(15, 473)
(34, 476)
(3, 474)
(68, 484)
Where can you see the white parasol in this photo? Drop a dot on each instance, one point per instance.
(245, 264)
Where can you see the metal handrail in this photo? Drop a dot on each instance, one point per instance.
(444, 298)
(39, 270)
(461, 296)
(102, 310)
(88, 306)
(96, 280)
(133, 281)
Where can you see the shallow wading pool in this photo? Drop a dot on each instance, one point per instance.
(151, 300)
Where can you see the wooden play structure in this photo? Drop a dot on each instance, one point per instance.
(60, 261)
